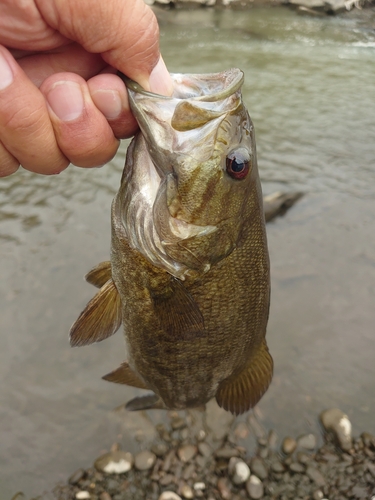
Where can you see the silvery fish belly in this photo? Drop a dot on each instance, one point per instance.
(189, 271)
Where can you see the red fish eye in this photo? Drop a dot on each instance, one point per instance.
(238, 163)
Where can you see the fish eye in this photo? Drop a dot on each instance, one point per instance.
(238, 163)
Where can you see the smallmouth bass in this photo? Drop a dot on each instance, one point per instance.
(189, 271)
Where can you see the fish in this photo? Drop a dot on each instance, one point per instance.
(189, 272)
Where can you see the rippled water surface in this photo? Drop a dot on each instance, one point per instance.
(309, 88)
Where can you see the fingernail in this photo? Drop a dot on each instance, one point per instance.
(160, 79)
(66, 100)
(6, 74)
(108, 102)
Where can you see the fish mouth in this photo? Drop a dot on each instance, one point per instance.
(213, 90)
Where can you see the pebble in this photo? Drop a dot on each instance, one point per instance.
(238, 470)
(186, 491)
(144, 460)
(77, 476)
(258, 467)
(199, 486)
(315, 476)
(307, 441)
(82, 495)
(336, 422)
(115, 462)
(178, 423)
(187, 452)
(254, 487)
(205, 449)
(288, 445)
(227, 452)
(305, 473)
(169, 495)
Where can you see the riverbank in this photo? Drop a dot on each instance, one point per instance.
(313, 7)
(187, 461)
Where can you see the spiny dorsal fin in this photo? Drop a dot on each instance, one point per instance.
(100, 319)
(147, 402)
(100, 274)
(125, 375)
(178, 313)
(239, 393)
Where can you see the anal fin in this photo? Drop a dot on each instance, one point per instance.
(100, 319)
(125, 375)
(148, 402)
(242, 391)
(100, 274)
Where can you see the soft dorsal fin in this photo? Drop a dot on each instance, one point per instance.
(100, 319)
(178, 313)
(241, 392)
(100, 274)
(125, 375)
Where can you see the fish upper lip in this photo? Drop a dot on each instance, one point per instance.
(218, 96)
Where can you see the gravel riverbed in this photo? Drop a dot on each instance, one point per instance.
(190, 464)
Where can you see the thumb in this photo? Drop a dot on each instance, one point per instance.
(124, 32)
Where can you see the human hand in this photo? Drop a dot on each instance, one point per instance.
(60, 99)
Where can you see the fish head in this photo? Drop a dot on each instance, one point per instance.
(200, 143)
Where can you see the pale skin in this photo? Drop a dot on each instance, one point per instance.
(61, 101)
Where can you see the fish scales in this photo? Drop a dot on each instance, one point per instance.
(189, 254)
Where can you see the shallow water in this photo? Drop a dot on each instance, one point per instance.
(308, 87)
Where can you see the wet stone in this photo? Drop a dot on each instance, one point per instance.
(238, 470)
(160, 449)
(105, 496)
(338, 424)
(187, 452)
(224, 488)
(166, 480)
(315, 475)
(144, 460)
(205, 449)
(258, 467)
(178, 423)
(169, 495)
(227, 452)
(254, 487)
(303, 458)
(297, 467)
(307, 441)
(83, 495)
(117, 462)
(288, 445)
(318, 495)
(277, 466)
(186, 491)
(241, 431)
(77, 476)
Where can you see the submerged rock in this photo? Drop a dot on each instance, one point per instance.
(336, 423)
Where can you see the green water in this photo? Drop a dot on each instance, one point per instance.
(310, 91)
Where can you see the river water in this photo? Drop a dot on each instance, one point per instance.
(310, 91)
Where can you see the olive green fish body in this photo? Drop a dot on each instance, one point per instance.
(189, 271)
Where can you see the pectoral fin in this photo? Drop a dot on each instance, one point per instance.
(125, 375)
(100, 319)
(241, 392)
(178, 313)
(100, 274)
(147, 402)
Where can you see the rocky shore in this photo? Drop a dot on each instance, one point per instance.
(186, 464)
(312, 7)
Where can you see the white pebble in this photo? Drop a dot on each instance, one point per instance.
(117, 467)
(82, 495)
(345, 426)
(240, 472)
(169, 495)
(199, 486)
